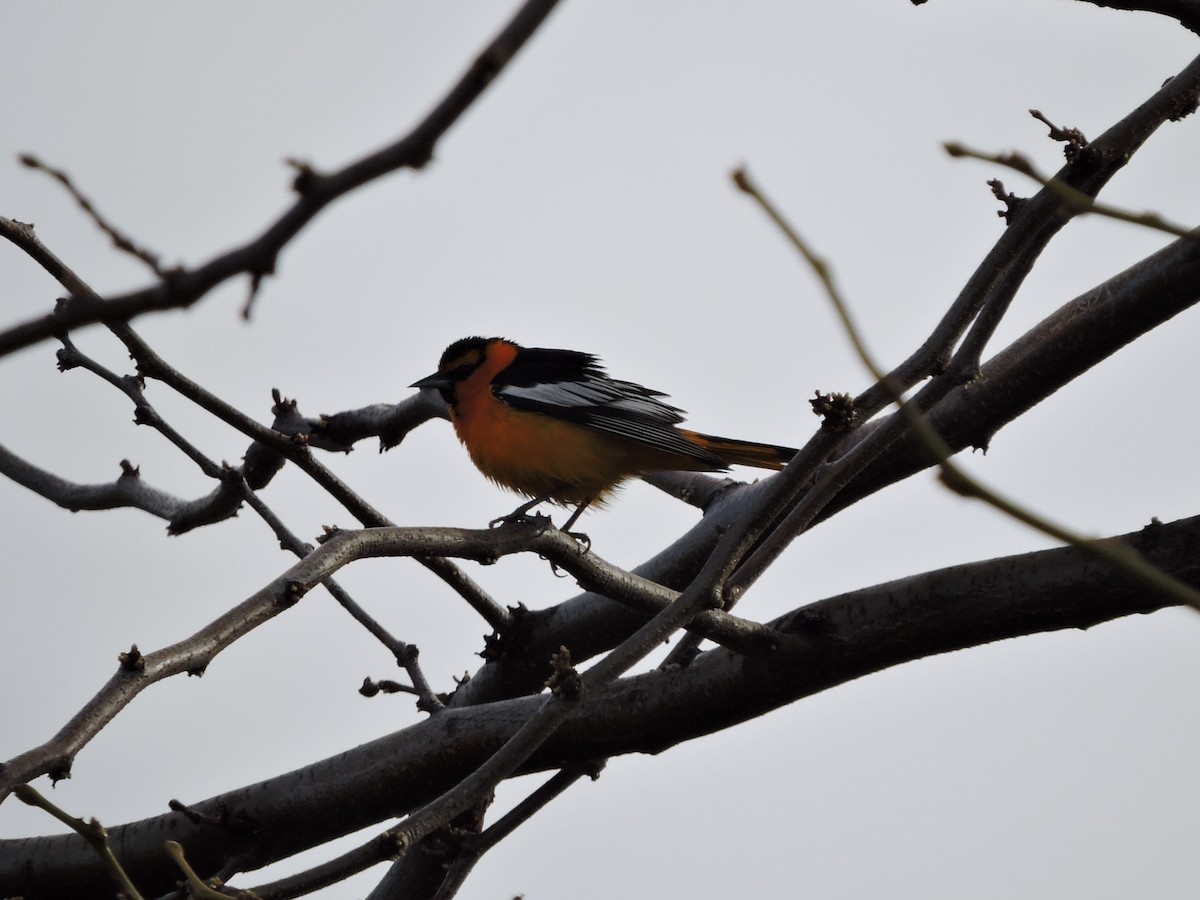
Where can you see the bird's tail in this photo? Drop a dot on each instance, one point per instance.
(744, 453)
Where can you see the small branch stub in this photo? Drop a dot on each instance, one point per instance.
(564, 681)
(1012, 203)
(291, 593)
(1073, 139)
(132, 661)
(837, 411)
(221, 820)
(372, 688)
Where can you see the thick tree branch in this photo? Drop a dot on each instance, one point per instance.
(826, 644)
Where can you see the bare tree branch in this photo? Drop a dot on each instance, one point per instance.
(995, 282)
(1076, 337)
(446, 768)
(472, 846)
(127, 490)
(194, 654)
(826, 644)
(271, 445)
(315, 191)
(120, 240)
(1079, 202)
(952, 475)
(1187, 12)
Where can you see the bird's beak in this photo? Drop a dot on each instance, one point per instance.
(435, 381)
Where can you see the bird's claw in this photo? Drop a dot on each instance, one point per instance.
(585, 542)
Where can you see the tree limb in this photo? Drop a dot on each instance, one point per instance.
(826, 643)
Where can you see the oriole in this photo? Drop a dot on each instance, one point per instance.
(552, 425)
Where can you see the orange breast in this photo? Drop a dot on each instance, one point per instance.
(538, 455)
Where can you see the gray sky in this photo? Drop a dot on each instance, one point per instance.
(586, 203)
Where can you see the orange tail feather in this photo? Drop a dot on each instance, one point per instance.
(744, 453)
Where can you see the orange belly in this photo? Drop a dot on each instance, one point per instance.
(540, 456)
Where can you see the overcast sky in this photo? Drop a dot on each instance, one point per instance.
(586, 203)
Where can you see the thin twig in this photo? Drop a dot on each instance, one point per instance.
(234, 485)
(596, 574)
(1076, 200)
(295, 450)
(120, 240)
(257, 257)
(195, 653)
(196, 884)
(998, 276)
(92, 832)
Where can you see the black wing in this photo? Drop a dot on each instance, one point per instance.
(573, 386)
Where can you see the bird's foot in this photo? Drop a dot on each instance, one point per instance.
(520, 517)
(585, 546)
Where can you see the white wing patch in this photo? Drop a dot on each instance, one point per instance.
(594, 395)
(620, 408)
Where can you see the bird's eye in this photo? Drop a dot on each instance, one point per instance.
(460, 366)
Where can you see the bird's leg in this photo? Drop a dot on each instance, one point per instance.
(575, 515)
(578, 535)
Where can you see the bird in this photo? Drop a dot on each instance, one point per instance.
(554, 426)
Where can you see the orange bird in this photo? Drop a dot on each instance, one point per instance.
(552, 425)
